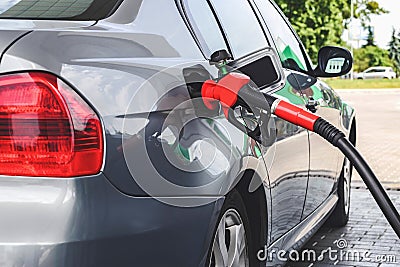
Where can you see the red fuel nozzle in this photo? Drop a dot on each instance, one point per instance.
(226, 91)
(234, 89)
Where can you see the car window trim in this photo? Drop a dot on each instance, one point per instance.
(221, 28)
(182, 7)
(254, 9)
(309, 70)
(301, 45)
(240, 61)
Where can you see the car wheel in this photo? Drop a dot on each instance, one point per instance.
(232, 239)
(340, 215)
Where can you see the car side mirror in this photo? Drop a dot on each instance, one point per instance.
(333, 62)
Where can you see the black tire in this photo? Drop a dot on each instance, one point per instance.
(234, 203)
(340, 215)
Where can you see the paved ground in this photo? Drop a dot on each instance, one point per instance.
(378, 114)
(367, 240)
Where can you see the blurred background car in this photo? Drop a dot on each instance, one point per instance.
(376, 73)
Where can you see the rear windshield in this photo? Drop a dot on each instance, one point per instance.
(57, 9)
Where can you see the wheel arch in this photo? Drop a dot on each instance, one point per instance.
(256, 204)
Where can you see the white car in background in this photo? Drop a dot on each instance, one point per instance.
(376, 73)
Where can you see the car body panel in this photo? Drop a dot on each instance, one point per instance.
(295, 238)
(102, 82)
(8, 38)
(81, 222)
(12, 30)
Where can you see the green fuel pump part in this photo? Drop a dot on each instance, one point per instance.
(235, 89)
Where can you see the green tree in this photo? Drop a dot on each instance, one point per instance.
(370, 38)
(320, 23)
(317, 24)
(370, 56)
(365, 8)
(394, 51)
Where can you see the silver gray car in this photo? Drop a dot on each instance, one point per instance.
(108, 158)
(376, 73)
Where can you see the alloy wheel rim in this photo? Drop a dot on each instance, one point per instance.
(346, 184)
(230, 246)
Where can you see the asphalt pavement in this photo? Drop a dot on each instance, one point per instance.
(378, 131)
(367, 240)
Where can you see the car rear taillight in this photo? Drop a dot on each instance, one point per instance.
(46, 129)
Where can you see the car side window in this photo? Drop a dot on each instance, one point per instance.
(288, 46)
(205, 26)
(374, 70)
(241, 26)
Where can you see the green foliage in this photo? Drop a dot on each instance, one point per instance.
(370, 38)
(320, 23)
(365, 8)
(370, 56)
(317, 24)
(394, 51)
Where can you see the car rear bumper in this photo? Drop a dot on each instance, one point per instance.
(87, 222)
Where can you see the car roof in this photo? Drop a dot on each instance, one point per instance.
(379, 67)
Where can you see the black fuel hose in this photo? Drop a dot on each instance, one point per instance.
(234, 90)
(339, 140)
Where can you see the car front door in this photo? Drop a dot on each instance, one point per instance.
(302, 87)
(288, 158)
(324, 158)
